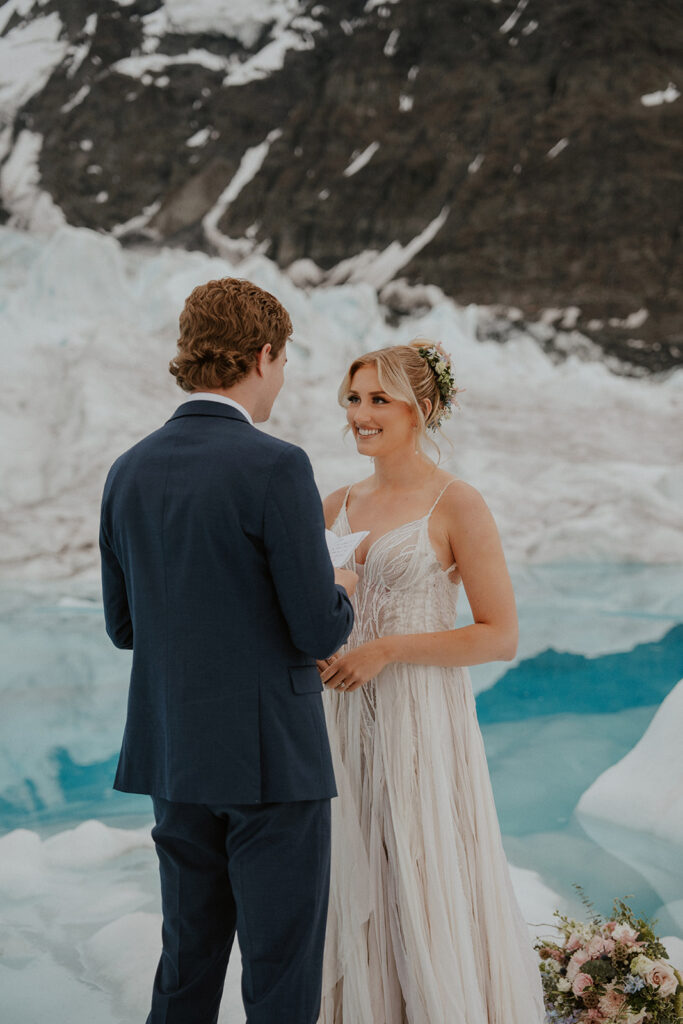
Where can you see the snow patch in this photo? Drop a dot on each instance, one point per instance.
(558, 148)
(137, 67)
(75, 100)
(359, 160)
(250, 164)
(12, 7)
(272, 57)
(632, 322)
(243, 20)
(199, 138)
(656, 99)
(391, 45)
(28, 55)
(377, 269)
(510, 23)
(77, 54)
(30, 207)
(372, 5)
(474, 166)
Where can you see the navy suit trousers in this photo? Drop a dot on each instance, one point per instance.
(262, 870)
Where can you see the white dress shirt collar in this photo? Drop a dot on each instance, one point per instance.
(208, 396)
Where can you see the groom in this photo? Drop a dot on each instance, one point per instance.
(216, 574)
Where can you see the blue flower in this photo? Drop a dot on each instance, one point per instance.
(633, 984)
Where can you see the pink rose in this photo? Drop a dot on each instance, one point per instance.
(662, 977)
(573, 942)
(597, 946)
(576, 963)
(611, 1001)
(581, 983)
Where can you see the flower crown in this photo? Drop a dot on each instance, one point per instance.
(440, 364)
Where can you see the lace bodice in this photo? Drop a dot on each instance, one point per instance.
(402, 587)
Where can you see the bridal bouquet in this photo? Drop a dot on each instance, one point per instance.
(612, 971)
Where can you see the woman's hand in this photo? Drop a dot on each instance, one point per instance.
(346, 672)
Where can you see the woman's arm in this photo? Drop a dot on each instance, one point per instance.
(475, 544)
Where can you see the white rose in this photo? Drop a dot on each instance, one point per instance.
(624, 933)
(641, 965)
(563, 985)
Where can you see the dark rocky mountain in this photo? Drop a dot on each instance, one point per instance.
(517, 130)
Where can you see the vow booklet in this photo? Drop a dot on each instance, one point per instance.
(341, 548)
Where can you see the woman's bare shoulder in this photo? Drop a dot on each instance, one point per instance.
(461, 500)
(332, 504)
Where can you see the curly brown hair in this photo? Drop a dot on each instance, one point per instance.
(223, 327)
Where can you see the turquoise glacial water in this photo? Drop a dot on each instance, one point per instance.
(600, 648)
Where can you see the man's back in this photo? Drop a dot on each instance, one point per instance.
(216, 573)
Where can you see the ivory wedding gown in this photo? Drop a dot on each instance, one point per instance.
(423, 924)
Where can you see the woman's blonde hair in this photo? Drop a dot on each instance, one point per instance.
(406, 376)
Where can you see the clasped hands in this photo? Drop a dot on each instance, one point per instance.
(348, 671)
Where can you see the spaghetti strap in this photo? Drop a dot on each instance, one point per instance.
(437, 500)
(346, 498)
(342, 508)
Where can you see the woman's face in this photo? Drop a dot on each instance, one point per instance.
(380, 423)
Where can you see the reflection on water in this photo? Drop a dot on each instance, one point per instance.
(600, 647)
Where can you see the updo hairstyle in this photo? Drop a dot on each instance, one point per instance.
(406, 376)
(223, 327)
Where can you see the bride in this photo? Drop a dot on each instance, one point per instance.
(423, 926)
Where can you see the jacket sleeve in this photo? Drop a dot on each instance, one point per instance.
(318, 611)
(117, 617)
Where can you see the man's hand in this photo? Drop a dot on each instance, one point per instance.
(348, 580)
(346, 672)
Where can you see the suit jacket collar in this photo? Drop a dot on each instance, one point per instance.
(208, 408)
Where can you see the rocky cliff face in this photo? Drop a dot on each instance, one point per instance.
(516, 154)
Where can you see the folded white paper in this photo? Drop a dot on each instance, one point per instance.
(341, 548)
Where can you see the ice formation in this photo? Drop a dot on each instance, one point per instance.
(644, 788)
(576, 463)
(94, 935)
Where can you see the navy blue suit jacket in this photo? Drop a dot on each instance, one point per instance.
(216, 573)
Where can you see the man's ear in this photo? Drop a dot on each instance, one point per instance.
(263, 359)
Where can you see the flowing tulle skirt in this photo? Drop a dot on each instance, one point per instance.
(423, 924)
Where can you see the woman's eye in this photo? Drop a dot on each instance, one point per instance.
(378, 398)
(351, 399)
